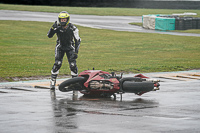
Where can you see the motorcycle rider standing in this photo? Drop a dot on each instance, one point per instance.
(68, 42)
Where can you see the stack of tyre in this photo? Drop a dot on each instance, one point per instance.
(170, 22)
(158, 22)
(184, 23)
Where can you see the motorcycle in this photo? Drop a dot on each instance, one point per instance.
(97, 83)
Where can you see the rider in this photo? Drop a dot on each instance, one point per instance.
(68, 41)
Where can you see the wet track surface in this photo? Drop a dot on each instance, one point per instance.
(174, 108)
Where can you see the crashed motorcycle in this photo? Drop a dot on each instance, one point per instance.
(97, 83)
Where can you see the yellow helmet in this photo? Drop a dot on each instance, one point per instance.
(63, 14)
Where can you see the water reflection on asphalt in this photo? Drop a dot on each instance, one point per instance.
(70, 112)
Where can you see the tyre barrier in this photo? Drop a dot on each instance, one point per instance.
(169, 22)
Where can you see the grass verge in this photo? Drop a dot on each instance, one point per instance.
(27, 51)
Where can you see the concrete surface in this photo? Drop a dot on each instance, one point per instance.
(174, 108)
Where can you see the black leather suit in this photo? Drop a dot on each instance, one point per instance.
(68, 42)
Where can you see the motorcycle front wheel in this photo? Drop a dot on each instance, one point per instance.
(72, 84)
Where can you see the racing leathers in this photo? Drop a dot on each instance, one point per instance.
(68, 42)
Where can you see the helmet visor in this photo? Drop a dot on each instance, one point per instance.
(63, 18)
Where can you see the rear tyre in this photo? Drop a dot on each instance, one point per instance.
(72, 84)
(137, 87)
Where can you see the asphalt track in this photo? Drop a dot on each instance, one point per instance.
(118, 23)
(29, 106)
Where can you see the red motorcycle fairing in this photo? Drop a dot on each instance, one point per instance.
(141, 76)
(101, 76)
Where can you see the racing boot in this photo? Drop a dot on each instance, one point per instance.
(74, 74)
(52, 84)
(74, 70)
(53, 81)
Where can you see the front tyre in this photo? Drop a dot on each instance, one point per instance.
(72, 84)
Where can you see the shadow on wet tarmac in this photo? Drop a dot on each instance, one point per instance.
(68, 110)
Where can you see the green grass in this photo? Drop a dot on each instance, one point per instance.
(138, 24)
(102, 11)
(25, 50)
(197, 31)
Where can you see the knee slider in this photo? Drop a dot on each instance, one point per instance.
(56, 66)
(73, 67)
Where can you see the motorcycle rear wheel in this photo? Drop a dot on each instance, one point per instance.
(137, 87)
(72, 84)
